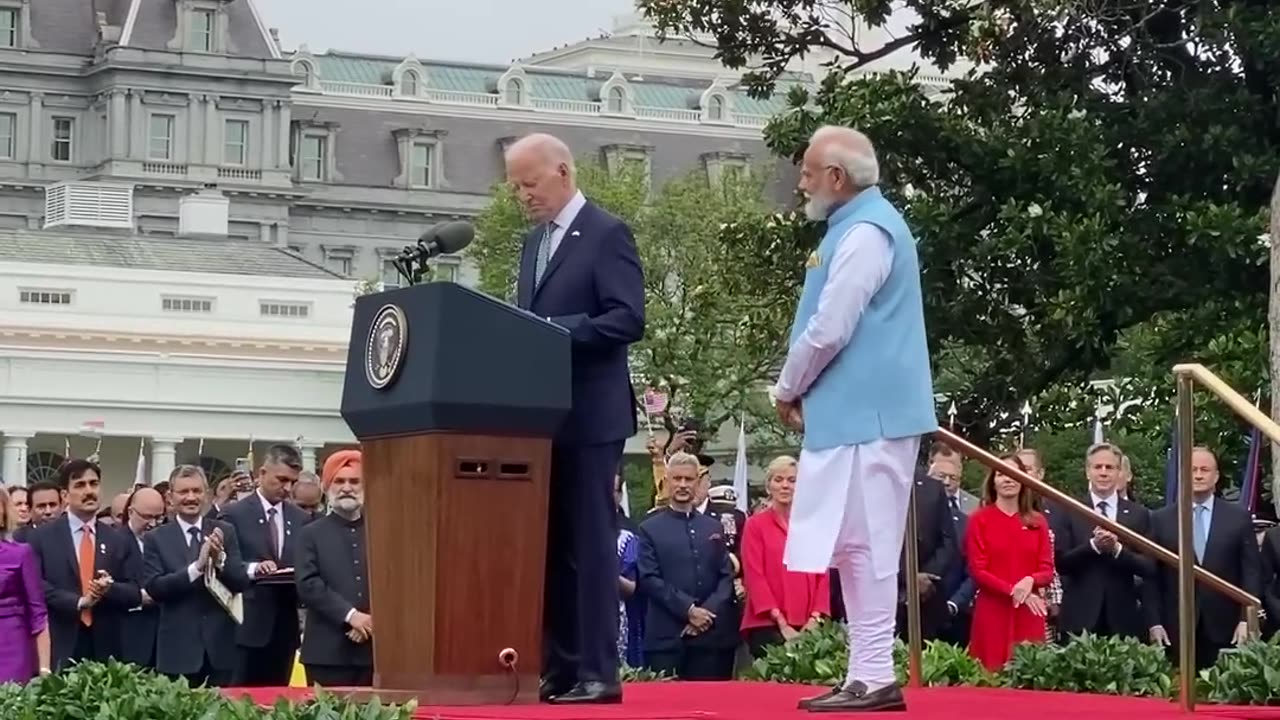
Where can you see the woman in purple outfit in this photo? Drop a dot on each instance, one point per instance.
(24, 632)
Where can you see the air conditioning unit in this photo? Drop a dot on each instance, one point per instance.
(89, 204)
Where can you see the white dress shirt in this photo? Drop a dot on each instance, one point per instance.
(859, 268)
(194, 571)
(252, 568)
(563, 220)
(1110, 513)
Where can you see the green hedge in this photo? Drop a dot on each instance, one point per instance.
(115, 691)
(1248, 675)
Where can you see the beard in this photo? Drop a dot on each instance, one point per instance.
(346, 503)
(818, 208)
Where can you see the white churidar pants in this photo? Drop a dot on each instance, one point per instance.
(850, 513)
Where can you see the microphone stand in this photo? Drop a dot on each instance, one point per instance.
(413, 266)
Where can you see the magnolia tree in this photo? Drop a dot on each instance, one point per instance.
(1103, 173)
(718, 300)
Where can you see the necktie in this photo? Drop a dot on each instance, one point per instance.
(544, 254)
(85, 558)
(193, 546)
(1200, 533)
(273, 533)
(1102, 508)
(955, 504)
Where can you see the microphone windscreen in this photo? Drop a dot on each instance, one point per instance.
(454, 236)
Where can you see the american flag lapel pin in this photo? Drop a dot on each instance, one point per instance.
(575, 233)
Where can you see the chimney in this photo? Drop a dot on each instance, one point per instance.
(204, 213)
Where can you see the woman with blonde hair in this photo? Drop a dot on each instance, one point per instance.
(780, 603)
(1010, 556)
(24, 630)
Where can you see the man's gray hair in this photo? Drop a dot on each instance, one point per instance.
(683, 459)
(551, 148)
(282, 454)
(1096, 448)
(849, 150)
(307, 477)
(188, 471)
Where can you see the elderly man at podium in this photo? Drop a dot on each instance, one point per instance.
(857, 380)
(579, 269)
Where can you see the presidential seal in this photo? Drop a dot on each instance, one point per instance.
(384, 351)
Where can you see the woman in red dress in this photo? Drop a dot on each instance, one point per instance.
(780, 603)
(1010, 556)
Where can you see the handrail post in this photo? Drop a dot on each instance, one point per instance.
(914, 641)
(1186, 547)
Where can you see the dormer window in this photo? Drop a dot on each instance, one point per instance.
(715, 109)
(409, 84)
(203, 28)
(515, 92)
(617, 100)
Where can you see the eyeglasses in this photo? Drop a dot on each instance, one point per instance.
(146, 517)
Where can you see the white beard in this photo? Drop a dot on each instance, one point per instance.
(818, 208)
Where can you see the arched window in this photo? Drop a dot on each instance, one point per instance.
(617, 100)
(515, 92)
(305, 70)
(715, 108)
(43, 466)
(409, 83)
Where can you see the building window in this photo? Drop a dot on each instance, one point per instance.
(44, 297)
(617, 100)
(63, 133)
(515, 92)
(340, 260)
(314, 156)
(8, 135)
(715, 109)
(235, 142)
(277, 309)
(160, 146)
(186, 304)
(420, 164)
(202, 30)
(9, 27)
(409, 83)
(444, 271)
(390, 276)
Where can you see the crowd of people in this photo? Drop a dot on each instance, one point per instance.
(705, 587)
(221, 588)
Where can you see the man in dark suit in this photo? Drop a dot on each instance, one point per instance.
(1225, 545)
(936, 542)
(265, 524)
(684, 570)
(144, 509)
(580, 270)
(333, 581)
(196, 633)
(1099, 594)
(88, 571)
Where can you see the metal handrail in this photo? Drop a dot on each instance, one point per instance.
(1073, 506)
(1186, 376)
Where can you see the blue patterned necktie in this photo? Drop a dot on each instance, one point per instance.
(544, 254)
(1200, 533)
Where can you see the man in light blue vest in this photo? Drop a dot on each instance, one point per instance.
(857, 381)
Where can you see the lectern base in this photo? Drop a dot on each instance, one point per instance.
(458, 691)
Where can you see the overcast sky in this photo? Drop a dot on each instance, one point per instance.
(488, 31)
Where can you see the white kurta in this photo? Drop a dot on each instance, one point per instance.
(850, 504)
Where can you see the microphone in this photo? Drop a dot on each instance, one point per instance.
(441, 239)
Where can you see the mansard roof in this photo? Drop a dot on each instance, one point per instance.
(545, 83)
(71, 26)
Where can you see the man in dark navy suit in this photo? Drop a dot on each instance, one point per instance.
(580, 270)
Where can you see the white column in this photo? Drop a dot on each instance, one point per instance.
(164, 457)
(284, 123)
(36, 152)
(137, 126)
(308, 453)
(118, 119)
(14, 470)
(212, 133)
(193, 130)
(266, 157)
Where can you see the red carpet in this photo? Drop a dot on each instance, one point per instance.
(767, 701)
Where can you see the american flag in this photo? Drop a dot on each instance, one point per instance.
(655, 402)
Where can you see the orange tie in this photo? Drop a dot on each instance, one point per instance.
(86, 570)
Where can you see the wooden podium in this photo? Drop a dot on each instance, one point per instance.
(454, 397)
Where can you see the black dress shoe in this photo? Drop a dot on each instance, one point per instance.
(855, 698)
(591, 693)
(550, 687)
(806, 702)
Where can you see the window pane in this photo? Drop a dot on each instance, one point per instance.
(236, 142)
(63, 132)
(420, 170)
(312, 164)
(161, 146)
(8, 130)
(8, 28)
(202, 31)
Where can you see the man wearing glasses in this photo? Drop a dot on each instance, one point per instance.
(143, 510)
